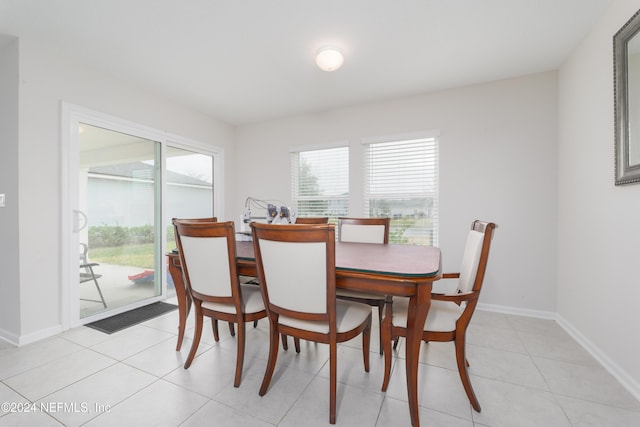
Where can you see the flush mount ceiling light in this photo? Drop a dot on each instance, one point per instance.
(329, 58)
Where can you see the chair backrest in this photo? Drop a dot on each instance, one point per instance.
(364, 230)
(208, 256)
(296, 268)
(476, 254)
(84, 249)
(313, 220)
(85, 268)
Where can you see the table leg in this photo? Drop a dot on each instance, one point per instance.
(418, 309)
(184, 301)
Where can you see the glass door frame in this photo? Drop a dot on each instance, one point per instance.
(71, 117)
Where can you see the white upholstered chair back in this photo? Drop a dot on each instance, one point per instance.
(296, 274)
(207, 265)
(362, 233)
(470, 261)
(294, 266)
(364, 230)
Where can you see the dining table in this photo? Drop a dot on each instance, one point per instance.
(387, 269)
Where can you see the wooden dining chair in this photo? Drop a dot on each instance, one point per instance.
(364, 230)
(303, 220)
(296, 267)
(312, 220)
(449, 314)
(208, 256)
(204, 219)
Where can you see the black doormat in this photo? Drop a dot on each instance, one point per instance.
(133, 317)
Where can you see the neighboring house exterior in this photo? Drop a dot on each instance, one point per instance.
(124, 195)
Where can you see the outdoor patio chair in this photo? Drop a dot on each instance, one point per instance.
(88, 275)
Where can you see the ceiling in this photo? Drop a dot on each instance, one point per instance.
(247, 61)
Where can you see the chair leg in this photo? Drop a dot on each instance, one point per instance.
(464, 373)
(333, 351)
(385, 333)
(285, 343)
(366, 346)
(214, 326)
(240, 355)
(231, 329)
(98, 287)
(273, 356)
(380, 310)
(255, 323)
(196, 336)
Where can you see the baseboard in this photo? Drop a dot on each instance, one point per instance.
(517, 311)
(612, 367)
(39, 335)
(9, 337)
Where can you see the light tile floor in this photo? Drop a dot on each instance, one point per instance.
(526, 372)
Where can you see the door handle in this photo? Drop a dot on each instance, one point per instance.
(79, 221)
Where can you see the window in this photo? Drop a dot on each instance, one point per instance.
(401, 182)
(320, 182)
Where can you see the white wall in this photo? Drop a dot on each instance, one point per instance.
(598, 223)
(498, 151)
(9, 255)
(46, 79)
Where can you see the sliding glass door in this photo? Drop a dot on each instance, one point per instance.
(122, 183)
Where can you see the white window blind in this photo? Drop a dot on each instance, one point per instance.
(320, 182)
(401, 182)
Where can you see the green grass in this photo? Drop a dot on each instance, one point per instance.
(140, 255)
